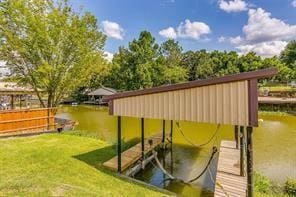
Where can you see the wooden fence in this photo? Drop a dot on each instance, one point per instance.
(27, 121)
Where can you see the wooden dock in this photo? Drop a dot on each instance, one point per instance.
(228, 179)
(132, 155)
(276, 100)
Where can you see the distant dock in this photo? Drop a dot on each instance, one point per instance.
(276, 100)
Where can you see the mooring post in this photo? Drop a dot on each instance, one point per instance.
(172, 167)
(171, 135)
(163, 133)
(236, 135)
(119, 144)
(242, 136)
(142, 138)
(250, 176)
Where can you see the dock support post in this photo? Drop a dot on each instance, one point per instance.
(242, 139)
(142, 138)
(236, 135)
(163, 133)
(250, 176)
(119, 144)
(172, 163)
(171, 135)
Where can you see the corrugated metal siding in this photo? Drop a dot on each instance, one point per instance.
(223, 103)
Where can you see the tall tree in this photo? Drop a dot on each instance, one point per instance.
(224, 63)
(137, 66)
(288, 56)
(199, 64)
(173, 72)
(250, 62)
(48, 46)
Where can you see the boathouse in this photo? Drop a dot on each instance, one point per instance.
(227, 100)
(11, 92)
(95, 97)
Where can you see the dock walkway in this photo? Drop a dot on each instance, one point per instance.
(228, 179)
(132, 155)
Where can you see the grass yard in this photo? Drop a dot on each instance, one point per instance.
(62, 165)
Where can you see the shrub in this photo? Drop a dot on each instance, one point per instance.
(262, 184)
(290, 187)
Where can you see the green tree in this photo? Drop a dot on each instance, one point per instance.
(249, 62)
(48, 46)
(288, 56)
(173, 72)
(199, 64)
(137, 66)
(224, 63)
(284, 72)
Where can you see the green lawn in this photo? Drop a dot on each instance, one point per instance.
(61, 165)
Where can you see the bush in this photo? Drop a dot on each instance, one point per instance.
(290, 187)
(262, 184)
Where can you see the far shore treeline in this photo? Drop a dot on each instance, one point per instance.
(145, 64)
(50, 47)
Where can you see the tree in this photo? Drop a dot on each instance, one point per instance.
(173, 72)
(224, 63)
(199, 64)
(250, 62)
(137, 66)
(284, 72)
(288, 56)
(48, 46)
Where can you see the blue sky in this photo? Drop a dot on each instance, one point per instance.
(263, 26)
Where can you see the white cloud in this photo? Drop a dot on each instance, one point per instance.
(108, 56)
(265, 49)
(193, 29)
(187, 29)
(168, 33)
(294, 3)
(263, 34)
(233, 5)
(262, 27)
(221, 39)
(236, 40)
(113, 30)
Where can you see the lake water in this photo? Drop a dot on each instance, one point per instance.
(274, 146)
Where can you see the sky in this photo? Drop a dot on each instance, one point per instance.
(263, 26)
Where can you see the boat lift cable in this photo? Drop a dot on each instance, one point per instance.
(171, 177)
(192, 143)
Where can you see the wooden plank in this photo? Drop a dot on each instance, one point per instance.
(228, 179)
(133, 154)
